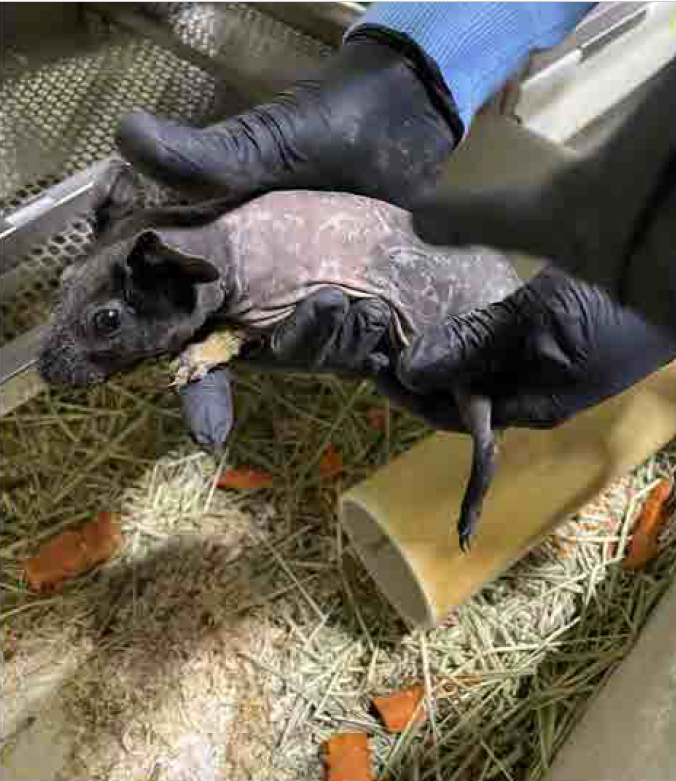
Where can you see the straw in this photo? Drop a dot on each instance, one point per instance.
(236, 632)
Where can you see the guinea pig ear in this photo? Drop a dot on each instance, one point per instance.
(117, 192)
(152, 251)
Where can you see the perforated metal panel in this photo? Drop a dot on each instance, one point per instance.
(59, 116)
(40, 272)
(260, 53)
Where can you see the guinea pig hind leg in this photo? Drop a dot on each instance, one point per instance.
(476, 414)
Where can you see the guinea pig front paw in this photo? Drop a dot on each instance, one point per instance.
(197, 360)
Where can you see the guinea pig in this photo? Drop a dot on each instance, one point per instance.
(158, 277)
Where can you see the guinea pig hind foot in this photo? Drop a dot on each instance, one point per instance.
(476, 413)
(484, 463)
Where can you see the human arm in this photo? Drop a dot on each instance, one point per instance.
(608, 217)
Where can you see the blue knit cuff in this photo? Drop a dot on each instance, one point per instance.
(477, 46)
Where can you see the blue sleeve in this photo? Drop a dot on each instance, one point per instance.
(477, 46)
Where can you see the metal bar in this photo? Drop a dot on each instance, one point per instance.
(325, 21)
(605, 23)
(613, 31)
(41, 218)
(19, 380)
(21, 231)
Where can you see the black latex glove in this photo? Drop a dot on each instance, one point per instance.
(552, 349)
(208, 410)
(376, 120)
(609, 218)
(327, 333)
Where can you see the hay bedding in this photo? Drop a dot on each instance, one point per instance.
(235, 633)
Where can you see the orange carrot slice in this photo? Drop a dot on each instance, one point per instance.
(376, 417)
(398, 709)
(643, 546)
(74, 552)
(245, 479)
(331, 463)
(349, 757)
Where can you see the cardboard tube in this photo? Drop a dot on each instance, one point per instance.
(402, 520)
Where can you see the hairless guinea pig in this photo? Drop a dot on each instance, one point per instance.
(157, 278)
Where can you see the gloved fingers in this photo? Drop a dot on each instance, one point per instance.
(145, 141)
(544, 327)
(474, 346)
(606, 347)
(329, 332)
(242, 157)
(208, 410)
(349, 125)
(308, 336)
(593, 350)
(364, 327)
(439, 410)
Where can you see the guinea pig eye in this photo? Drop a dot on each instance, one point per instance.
(106, 322)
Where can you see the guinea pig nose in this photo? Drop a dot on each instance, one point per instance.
(50, 367)
(49, 372)
(61, 364)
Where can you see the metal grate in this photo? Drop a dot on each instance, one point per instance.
(261, 53)
(40, 273)
(59, 116)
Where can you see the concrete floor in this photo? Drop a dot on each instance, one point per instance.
(629, 732)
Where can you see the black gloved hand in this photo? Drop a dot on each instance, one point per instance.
(555, 347)
(328, 332)
(608, 218)
(376, 120)
(208, 410)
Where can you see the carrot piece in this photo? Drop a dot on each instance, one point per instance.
(331, 462)
(398, 709)
(349, 757)
(376, 418)
(74, 552)
(245, 479)
(647, 528)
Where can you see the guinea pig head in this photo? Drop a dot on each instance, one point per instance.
(136, 296)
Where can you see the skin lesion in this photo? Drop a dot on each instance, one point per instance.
(197, 360)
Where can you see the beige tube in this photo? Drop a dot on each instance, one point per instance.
(402, 520)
